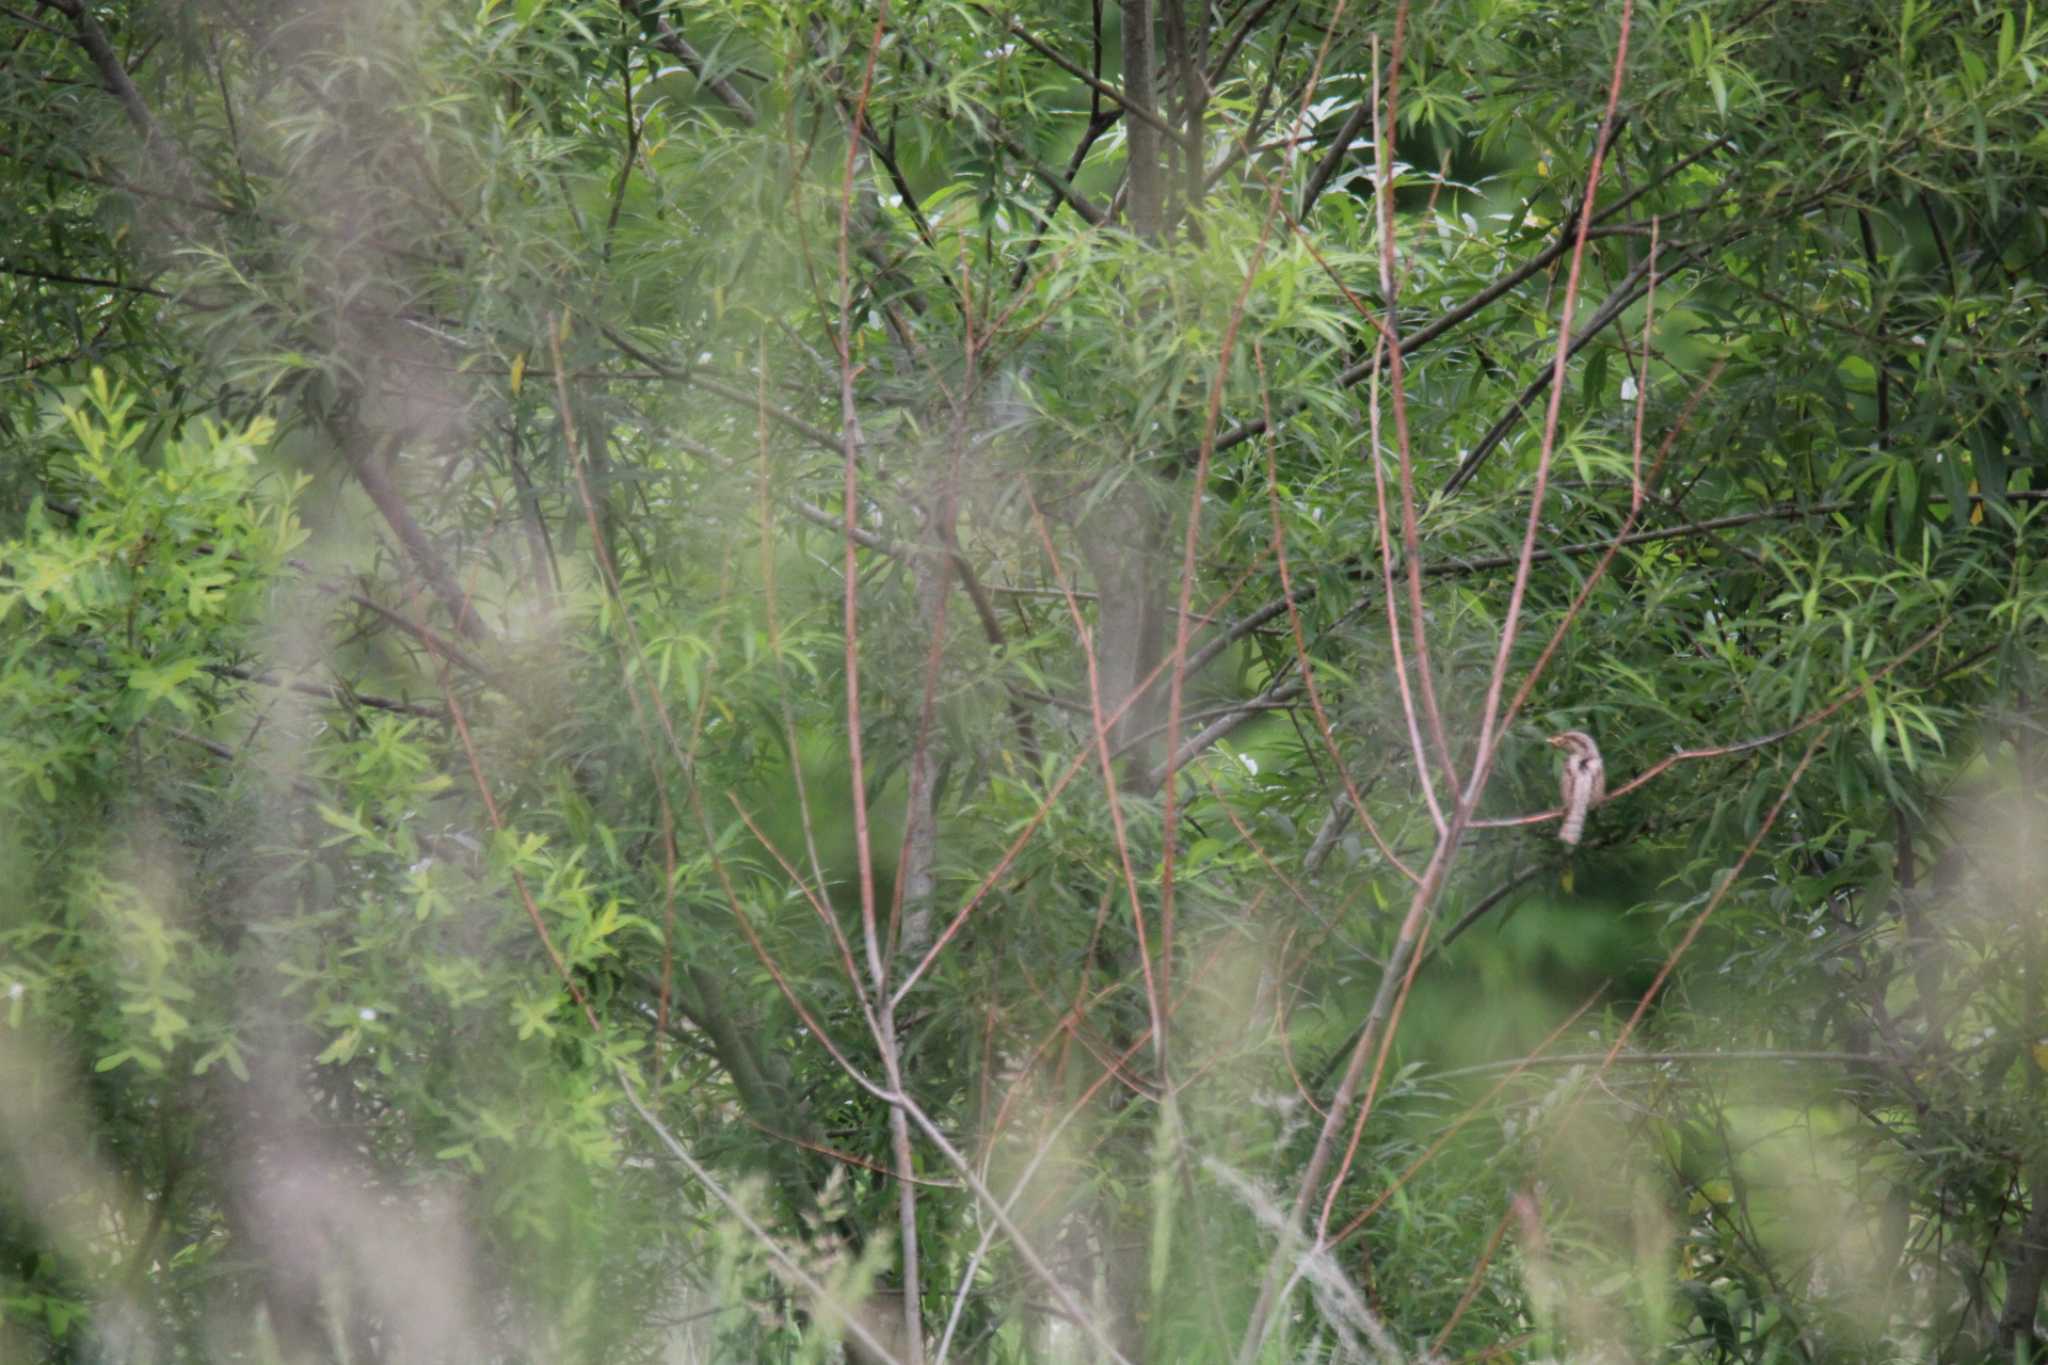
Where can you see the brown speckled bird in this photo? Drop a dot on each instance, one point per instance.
(1585, 781)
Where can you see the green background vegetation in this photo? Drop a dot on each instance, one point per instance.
(557, 558)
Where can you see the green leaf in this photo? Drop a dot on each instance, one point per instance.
(1593, 384)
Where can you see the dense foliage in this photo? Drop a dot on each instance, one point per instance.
(733, 680)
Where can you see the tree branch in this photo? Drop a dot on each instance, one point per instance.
(669, 40)
(334, 692)
(368, 468)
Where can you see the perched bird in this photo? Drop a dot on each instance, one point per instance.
(1585, 781)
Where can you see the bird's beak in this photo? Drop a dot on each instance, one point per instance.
(1555, 741)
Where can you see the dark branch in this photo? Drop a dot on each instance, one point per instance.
(334, 692)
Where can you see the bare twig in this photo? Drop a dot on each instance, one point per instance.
(438, 644)
(82, 281)
(334, 692)
(1388, 343)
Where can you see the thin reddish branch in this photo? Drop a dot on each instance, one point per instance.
(1301, 654)
(497, 819)
(655, 701)
(1472, 1285)
(884, 1019)
(1390, 341)
(1489, 716)
(850, 451)
(822, 910)
(771, 608)
(1045, 805)
(1665, 764)
(1471, 1112)
(1251, 841)
(774, 968)
(1805, 723)
(1280, 1028)
(1388, 597)
(1720, 893)
(1416, 957)
(1384, 339)
(1100, 725)
(678, 750)
(1212, 414)
(1637, 495)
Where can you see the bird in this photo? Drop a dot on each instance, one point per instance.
(1584, 783)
